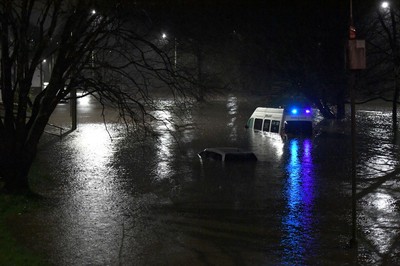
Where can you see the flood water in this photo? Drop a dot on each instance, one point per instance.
(112, 201)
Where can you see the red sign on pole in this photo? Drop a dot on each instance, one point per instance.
(356, 54)
(352, 33)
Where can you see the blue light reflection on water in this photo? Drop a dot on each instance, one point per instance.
(298, 220)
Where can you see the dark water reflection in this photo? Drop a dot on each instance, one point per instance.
(114, 201)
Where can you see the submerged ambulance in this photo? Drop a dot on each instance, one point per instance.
(296, 121)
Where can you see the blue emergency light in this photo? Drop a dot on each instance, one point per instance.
(295, 111)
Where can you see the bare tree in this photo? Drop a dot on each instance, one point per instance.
(106, 53)
(309, 55)
(381, 79)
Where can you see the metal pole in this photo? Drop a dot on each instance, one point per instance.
(351, 13)
(41, 75)
(175, 53)
(73, 108)
(353, 241)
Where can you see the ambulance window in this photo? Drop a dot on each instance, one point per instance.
(267, 123)
(250, 123)
(257, 123)
(275, 126)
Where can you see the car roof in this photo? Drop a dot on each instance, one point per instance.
(230, 154)
(225, 150)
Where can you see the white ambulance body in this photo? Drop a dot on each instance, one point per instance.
(281, 121)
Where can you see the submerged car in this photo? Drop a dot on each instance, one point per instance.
(227, 154)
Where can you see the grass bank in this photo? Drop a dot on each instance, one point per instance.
(11, 251)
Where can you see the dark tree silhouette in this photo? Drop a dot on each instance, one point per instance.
(382, 29)
(309, 56)
(276, 48)
(107, 53)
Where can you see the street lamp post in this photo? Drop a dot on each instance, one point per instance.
(41, 74)
(175, 53)
(355, 62)
(353, 240)
(164, 36)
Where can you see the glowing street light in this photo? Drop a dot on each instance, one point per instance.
(165, 40)
(385, 5)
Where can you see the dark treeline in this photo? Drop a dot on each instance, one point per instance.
(294, 47)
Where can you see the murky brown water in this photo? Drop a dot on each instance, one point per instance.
(113, 201)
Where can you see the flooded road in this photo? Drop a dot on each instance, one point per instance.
(112, 201)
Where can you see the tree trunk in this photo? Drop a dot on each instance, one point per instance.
(395, 97)
(326, 113)
(322, 107)
(18, 149)
(394, 107)
(16, 158)
(200, 73)
(341, 109)
(15, 170)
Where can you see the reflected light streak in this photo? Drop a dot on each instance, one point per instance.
(383, 207)
(299, 191)
(93, 186)
(164, 155)
(85, 100)
(232, 106)
(164, 121)
(278, 147)
(94, 147)
(386, 163)
(384, 202)
(267, 146)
